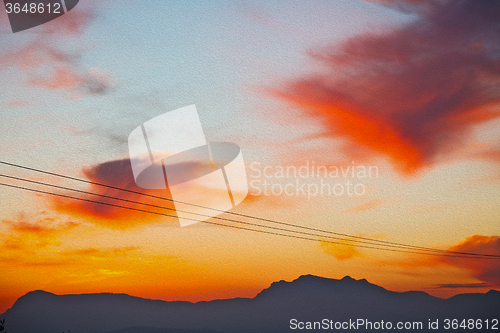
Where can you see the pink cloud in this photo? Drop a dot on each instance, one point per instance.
(46, 62)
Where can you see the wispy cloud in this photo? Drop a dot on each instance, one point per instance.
(485, 270)
(345, 249)
(462, 285)
(38, 241)
(46, 61)
(29, 239)
(366, 206)
(29, 236)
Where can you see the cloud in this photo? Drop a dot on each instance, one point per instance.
(369, 205)
(411, 94)
(116, 173)
(50, 61)
(34, 235)
(462, 286)
(409, 6)
(95, 81)
(491, 155)
(95, 253)
(37, 241)
(341, 252)
(486, 270)
(28, 239)
(16, 104)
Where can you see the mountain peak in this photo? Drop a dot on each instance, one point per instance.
(38, 292)
(312, 277)
(35, 294)
(317, 285)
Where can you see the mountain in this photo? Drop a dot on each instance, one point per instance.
(306, 299)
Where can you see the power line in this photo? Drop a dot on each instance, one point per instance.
(465, 255)
(354, 237)
(207, 216)
(408, 247)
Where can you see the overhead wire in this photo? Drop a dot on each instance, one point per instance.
(220, 211)
(342, 240)
(370, 243)
(465, 255)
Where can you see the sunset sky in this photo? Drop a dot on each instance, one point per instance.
(411, 89)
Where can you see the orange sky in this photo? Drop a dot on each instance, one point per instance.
(399, 90)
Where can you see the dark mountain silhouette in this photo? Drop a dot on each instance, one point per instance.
(307, 299)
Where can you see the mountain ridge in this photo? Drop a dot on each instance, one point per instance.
(347, 277)
(307, 298)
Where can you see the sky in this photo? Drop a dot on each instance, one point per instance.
(408, 90)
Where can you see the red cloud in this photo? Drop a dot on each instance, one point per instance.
(492, 155)
(117, 173)
(148, 206)
(487, 270)
(411, 94)
(28, 236)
